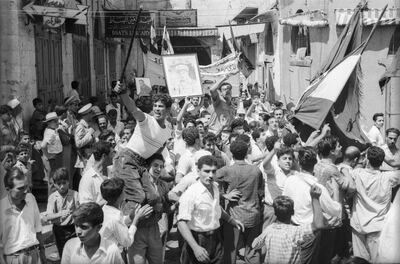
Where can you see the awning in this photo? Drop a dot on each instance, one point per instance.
(190, 32)
(246, 14)
(241, 30)
(369, 17)
(315, 18)
(267, 17)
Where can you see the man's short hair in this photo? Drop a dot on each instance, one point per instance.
(189, 135)
(112, 112)
(392, 130)
(290, 139)
(375, 156)
(283, 208)
(163, 98)
(155, 156)
(307, 158)
(239, 149)
(74, 85)
(208, 160)
(14, 174)
(189, 119)
(237, 123)
(106, 134)
(90, 213)
(327, 144)
(99, 149)
(61, 174)
(37, 101)
(285, 151)
(111, 189)
(209, 137)
(5, 109)
(270, 142)
(22, 147)
(376, 115)
(243, 137)
(225, 84)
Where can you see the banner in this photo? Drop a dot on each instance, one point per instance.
(120, 24)
(209, 73)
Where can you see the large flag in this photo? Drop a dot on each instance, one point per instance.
(392, 71)
(318, 99)
(166, 43)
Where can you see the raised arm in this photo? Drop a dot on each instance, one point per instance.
(179, 118)
(129, 103)
(214, 89)
(314, 138)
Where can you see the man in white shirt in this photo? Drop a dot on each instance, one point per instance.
(150, 135)
(199, 217)
(371, 203)
(20, 224)
(84, 135)
(93, 176)
(186, 162)
(392, 153)
(89, 246)
(375, 133)
(297, 187)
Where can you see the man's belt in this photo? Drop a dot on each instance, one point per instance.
(25, 250)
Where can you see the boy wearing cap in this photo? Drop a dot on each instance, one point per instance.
(51, 144)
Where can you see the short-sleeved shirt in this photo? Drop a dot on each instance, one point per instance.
(200, 208)
(89, 187)
(148, 137)
(283, 242)
(372, 200)
(222, 110)
(53, 141)
(57, 203)
(375, 136)
(18, 228)
(249, 181)
(74, 253)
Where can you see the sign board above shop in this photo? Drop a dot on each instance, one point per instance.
(120, 24)
(178, 18)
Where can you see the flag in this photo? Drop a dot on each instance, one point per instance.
(392, 71)
(245, 66)
(153, 39)
(143, 45)
(226, 50)
(317, 100)
(166, 43)
(234, 42)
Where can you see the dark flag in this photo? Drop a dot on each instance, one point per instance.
(226, 50)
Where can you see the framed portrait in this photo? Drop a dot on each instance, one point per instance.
(143, 86)
(182, 75)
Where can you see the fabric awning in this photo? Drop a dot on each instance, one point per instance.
(369, 17)
(315, 18)
(241, 30)
(266, 17)
(190, 32)
(246, 14)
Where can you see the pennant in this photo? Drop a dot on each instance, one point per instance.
(153, 39)
(166, 43)
(317, 100)
(226, 50)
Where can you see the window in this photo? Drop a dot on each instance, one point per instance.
(269, 41)
(300, 39)
(394, 41)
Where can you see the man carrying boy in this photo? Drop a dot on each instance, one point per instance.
(20, 225)
(60, 206)
(90, 246)
(282, 239)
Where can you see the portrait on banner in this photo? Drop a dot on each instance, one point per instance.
(182, 75)
(143, 86)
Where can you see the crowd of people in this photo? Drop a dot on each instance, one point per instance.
(232, 174)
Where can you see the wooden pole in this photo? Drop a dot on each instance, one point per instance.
(122, 76)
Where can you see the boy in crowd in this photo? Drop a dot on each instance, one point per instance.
(282, 239)
(51, 144)
(90, 246)
(60, 206)
(24, 161)
(20, 224)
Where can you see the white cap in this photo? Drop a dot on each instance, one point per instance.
(85, 109)
(13, 103)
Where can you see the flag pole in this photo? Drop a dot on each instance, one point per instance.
(373, 29)
(122, 76)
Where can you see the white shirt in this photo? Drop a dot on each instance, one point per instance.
(74, 253)
(148, 137)
(297, 187)
(199, 208)
(186, 163)
(51, 142)
(389, 155)
(89, 187)
(18, 228)
(372, 200)
(115, 229)
(375, 136)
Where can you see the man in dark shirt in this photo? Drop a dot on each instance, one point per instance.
(242, 186)
(36, 124)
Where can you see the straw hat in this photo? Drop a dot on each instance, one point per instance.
(51, 116)
(85, 109)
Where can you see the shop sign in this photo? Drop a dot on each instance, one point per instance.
(178, 18)
(120, 24)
